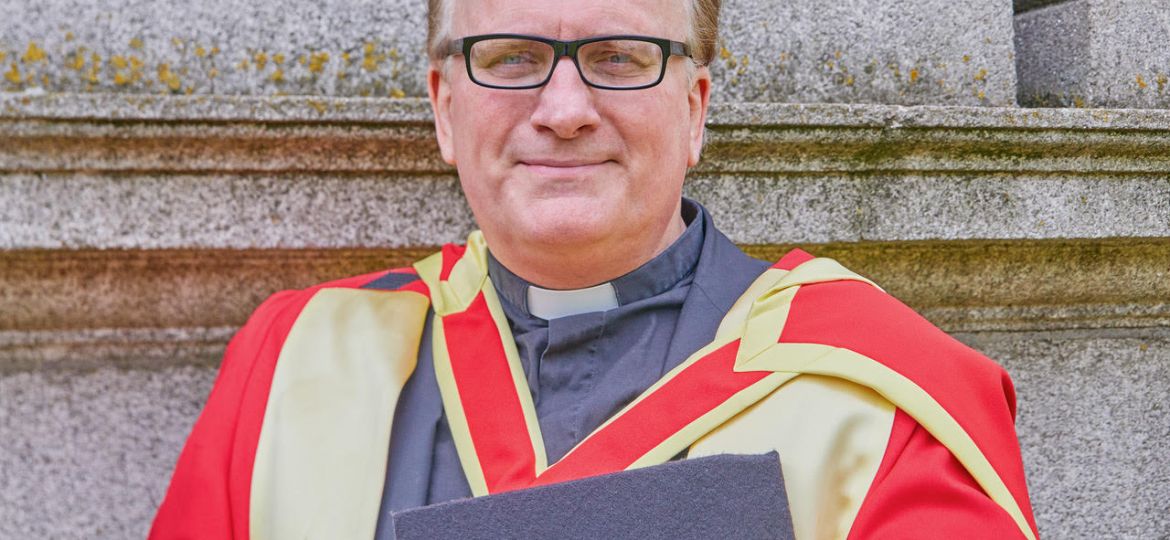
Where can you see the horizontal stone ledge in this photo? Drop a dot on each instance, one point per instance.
(316, 110)
(237, 134)
(154, 304)
(76, 210)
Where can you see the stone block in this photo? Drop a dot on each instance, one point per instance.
(861, 51)
(1094, 425)
(908, 52)
(88, 454)
(1094, 53)
(330, 47)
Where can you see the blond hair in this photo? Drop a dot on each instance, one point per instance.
(702, 35)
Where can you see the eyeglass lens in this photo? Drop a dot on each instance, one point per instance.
(516, 62)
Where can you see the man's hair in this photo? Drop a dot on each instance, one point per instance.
(701, 37)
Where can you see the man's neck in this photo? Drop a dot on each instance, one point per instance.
(574, 266)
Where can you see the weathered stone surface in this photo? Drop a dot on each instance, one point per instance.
(1094, 425)
(858, 51)
(1095, 53)
(238, 211)
(88, 454)
(330, 47)
(909, 52)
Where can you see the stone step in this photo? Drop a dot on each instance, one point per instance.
(69, 308)
(244, 173)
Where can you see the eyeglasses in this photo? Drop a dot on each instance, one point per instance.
(517, 62)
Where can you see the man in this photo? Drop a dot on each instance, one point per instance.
(600, 322)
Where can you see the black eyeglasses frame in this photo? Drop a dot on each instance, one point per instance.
(567, 48)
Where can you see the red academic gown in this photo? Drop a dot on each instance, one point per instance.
(237, 478)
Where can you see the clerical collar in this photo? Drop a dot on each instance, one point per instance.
(655, 277)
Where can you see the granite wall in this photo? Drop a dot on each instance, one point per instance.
(164, 166)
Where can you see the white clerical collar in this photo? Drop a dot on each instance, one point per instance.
(552, 304)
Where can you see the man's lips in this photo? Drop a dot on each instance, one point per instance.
(563, 167)
(563, 163)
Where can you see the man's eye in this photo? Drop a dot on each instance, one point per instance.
(511, 59)
(514, 59)
(619, 58)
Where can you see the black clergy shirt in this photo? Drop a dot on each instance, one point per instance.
(582, 368)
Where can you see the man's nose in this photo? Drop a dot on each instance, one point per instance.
(566, 103)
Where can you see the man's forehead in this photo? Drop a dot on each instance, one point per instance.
(567, 19)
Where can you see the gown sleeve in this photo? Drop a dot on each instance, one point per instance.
(208, 497)
(921, 491)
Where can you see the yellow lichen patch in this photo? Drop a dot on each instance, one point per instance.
(913, 75)
(176, 42)
(1141, 82)
(136, 44)
(724, 53)
(981, 94)
(200, 51)
(214, 51)
(278, 59)
(95, 67)
(369, 59)
(981, 75)
(121, 79)
(837, 55)
(1078, 103)
(303, 60)
(13, 74)
(3, 55)
(242, 65)
(317, 62)
(320, 107)
(1161, 80)
(345, 58)
(277, 76)
(394, 54)
(261, 60)
(397, 93)
(849, 80)
(168, 77)
(33, 54)
(966, 58)
(77, 61)
(119, 62)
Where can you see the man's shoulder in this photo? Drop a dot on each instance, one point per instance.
(868, 320)
(290, 302)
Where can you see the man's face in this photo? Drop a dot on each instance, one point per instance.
(568, 164)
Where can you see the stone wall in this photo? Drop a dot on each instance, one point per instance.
(165, 166)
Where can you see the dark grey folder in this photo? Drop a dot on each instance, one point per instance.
(723, 496)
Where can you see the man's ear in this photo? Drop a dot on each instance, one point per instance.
(698, 98)
(439, 90)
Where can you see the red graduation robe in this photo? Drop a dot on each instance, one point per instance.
(886, 426)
